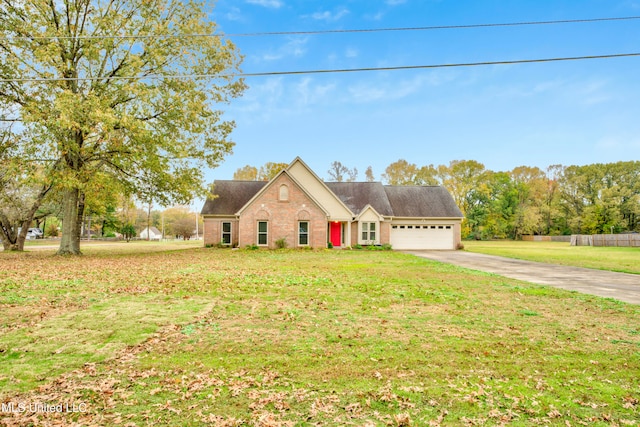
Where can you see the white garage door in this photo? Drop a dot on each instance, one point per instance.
(405, 236)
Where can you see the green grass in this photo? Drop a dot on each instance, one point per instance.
(626, 260)
(272, 338)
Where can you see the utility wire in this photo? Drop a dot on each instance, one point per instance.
(327, 71)
(320, 32)
(431, 28)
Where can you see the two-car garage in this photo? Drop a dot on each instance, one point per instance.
(422, 236)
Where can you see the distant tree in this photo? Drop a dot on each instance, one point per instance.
(352, 175)
(339, 173)
(270, 170)
(597, 198)
(184, 227)
(178, 215)
(530, 184)
(246, 173)
(128, 231)
(461, 178)
(427, 175)
(369, 174)
(400, 172)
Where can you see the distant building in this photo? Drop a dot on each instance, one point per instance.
(152, 233)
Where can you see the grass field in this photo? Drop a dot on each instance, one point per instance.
(139, 335)
(625, 260)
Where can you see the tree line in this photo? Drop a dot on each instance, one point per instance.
(559, 200)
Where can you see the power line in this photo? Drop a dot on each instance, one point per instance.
(320, 32)
(327, 71)
(431, 28)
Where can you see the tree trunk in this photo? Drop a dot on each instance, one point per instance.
(12, 241)
(70, 242)
(149, 222)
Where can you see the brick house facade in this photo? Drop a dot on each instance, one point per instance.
(300, 209)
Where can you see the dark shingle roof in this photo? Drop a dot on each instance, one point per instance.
(357, 195)
(421, 201)
(387, 200)
(231, 196)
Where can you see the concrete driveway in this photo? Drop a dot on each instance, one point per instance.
(621, 286)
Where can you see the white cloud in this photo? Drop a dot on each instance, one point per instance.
(234, 14)
(351, 53)
(593, 92)
(278, 97)
(330, 16)
(294, 47)
(307, 92)
(377, 90)
(271, 4)
(377, 17)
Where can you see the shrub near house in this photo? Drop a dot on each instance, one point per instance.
(297, 206)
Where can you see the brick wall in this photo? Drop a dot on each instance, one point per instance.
(385, 232)
(283, 216)
(211, 233)
(213, 230)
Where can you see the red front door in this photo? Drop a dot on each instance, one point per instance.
(335, 234)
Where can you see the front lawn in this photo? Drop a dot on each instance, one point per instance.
(275, 338)
(626, 260)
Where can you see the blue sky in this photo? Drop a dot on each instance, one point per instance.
(504, 116)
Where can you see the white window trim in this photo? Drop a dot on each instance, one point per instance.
(230, 233)
(362, 241)
(308, 233)
(258, 233)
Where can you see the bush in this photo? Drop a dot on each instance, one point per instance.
(460, 246)
(386, 247)
(330, 245)
(358, 246)
(281, 243)
(251, 247)
(51, 230)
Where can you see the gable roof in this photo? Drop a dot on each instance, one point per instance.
(358, 195)
(318, 190)
(274, 180)
(230, 196)
(421, 201)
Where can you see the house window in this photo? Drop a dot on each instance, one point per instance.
(263, 233)
(284, 193)
(368, 231)
(226, 233)
(303, 233)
